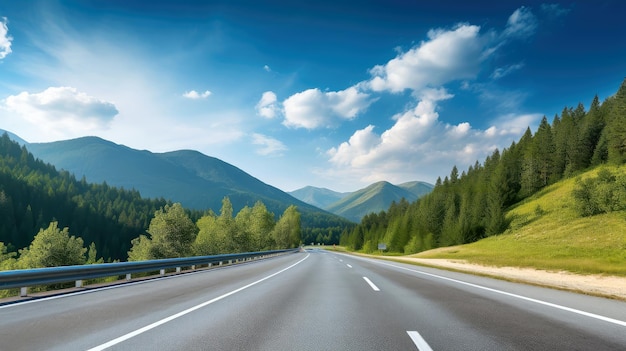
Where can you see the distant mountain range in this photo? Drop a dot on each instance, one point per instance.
(200, 182)
(354, 206)
(319, 197)
(195, 180)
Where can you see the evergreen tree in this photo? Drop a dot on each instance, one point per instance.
(591, 131)
(616, 136)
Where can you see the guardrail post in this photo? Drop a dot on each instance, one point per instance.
(128, 276)
(210, 265)
(162, 272)
(24, 291)
(193, 267)
(79, 284)
(177, 269)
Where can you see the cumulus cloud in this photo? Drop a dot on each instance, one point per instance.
(268, 146)
(313, 108)
(419, 144)
(267, 68)
(62, 109)
(447, 55)
(268, 105)
(194, 95)
(521, 24)
(5, 39)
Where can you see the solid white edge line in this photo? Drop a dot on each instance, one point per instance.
(187, 311)
(421, 344)
(372, 285)
(530, 299)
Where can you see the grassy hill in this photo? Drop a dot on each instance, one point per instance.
(547, 233)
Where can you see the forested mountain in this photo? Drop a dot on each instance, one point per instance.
(319, 197)
(354, 205)
(418, 188)
(33, 194)
(195, 180)
(372, 199)
(470, 205)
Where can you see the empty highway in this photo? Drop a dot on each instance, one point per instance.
(316, 300)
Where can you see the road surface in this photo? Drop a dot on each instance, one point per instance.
(316, 300)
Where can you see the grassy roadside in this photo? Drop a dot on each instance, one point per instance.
(546, 233)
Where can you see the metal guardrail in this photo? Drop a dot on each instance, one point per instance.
(23, 278)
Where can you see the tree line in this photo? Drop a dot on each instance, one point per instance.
(38, 202)
(33, 194)
(467, 206)
(173, 234)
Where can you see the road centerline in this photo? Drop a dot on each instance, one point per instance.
(421, 344)
(372, 285)
(187, 311)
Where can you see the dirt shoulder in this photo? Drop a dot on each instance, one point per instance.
(597, 285)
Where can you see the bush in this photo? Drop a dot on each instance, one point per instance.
(602, 194)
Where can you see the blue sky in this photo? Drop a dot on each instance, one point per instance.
(334, 94)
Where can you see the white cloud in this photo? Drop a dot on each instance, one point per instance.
(5, 39)
(267, 68)
(505, 71)
(447, 55)
(62, 110)
(419, 145)
(514, 124)
(521, 24)
(194, 95)
(268, 145)
(313, 108)
(268, 106)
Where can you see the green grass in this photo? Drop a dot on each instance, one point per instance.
(547, 233)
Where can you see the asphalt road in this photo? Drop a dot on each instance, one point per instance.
(317, 300)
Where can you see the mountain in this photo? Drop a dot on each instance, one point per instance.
(13, 137)
(375, 198)
(195, 180)
(418, 188)
(319, 197)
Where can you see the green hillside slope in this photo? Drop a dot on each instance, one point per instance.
(195, 180)
(372, 199)
(320, 197)
(546, 232)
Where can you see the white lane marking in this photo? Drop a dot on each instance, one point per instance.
(349, 266)
(372, 285)
(187, 311)
(421, 344)
(530, 299)
(340, 260)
